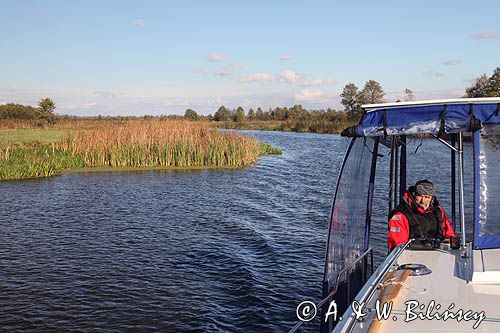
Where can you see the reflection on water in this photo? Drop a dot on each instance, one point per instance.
(219, 250)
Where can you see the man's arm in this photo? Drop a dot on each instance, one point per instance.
(398, 230)
(446, 227)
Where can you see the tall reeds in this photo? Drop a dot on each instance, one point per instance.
(136, 144)
(157, 143)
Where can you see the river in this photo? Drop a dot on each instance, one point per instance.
(181, 251)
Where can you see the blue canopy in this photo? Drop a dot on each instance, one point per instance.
(429, 117)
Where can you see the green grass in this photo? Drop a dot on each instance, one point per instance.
(21, 136)
(267, 149)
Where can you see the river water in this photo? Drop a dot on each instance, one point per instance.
(181, 251)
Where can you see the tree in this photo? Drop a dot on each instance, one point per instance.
(222, 114)
(47, 106)
(409, 95)
(251, 114)
(259, 114)
(350, 96)
(240, 114)
(485, 86)
(479, 88)
(372, 93)
(494, 84)
(191, 114)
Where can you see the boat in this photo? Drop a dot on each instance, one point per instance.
(422, 285)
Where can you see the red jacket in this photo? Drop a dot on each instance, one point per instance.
(399, 228)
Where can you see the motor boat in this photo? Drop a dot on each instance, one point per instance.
(431, 287)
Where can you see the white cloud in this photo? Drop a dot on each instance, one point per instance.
(311, 96)
(286, 57)
(486, 35)
(304, 80)
(317, 82)
(258, 77)
(433, 73)
(291, 76)
(217, 57)
(138, 22)
(450, 62)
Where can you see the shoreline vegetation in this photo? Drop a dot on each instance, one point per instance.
(35, 142)
(28, 151)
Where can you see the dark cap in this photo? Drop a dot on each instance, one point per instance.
(424, 187)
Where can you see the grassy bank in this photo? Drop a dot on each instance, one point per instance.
(31, 153)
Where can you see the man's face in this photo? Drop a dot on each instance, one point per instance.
(423, 201)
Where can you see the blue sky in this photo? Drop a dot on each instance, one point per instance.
(161, 57)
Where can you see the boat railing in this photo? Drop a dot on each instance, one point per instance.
(348, 320)
(346, 270)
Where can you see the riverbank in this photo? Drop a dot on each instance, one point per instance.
(145, 144)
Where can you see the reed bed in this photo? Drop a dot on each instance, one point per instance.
(135, 144)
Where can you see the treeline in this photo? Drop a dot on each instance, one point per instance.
(44, 111)
(295, 119)
(485, 86)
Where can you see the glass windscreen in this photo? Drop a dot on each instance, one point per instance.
(348, 218)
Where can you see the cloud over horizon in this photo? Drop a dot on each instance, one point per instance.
(311, 96)
(432, 73)
(139, 22)
(304, 80)
(217, 57)
(450, 62)
(486, 35)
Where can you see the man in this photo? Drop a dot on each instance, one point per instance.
(418, 215)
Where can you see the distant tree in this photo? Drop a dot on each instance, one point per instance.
(47, 106)
(409, 96)
(494, 83)
(251, 114)
(372, 93)
(259, 114)
(240, 114)
(222, 114)
(479, 88)
(349, 97)
(19, 111)
(350, 100)
(485, 86)
(191, 114)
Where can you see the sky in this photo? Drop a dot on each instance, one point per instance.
(162, 57)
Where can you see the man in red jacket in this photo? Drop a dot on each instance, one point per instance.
(418, 215)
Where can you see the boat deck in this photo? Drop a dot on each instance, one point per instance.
(446, 285)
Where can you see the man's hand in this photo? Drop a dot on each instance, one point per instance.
(455, 242)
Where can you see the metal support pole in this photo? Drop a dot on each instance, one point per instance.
(454, 183)
(391, 179)
(402, 168)
(461, 186)
(396, 167)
